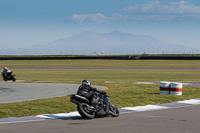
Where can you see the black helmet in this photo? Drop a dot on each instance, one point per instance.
(85, 82)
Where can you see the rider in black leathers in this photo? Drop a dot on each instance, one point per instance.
(5, 70)
(89, 92)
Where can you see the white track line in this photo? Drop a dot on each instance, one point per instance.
(124, 110)
(184, 103)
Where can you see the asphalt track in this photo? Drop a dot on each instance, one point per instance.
(17, 92)
(176, 120)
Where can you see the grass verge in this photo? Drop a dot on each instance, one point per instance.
(103, 63)
(122, 91)
(126, 95)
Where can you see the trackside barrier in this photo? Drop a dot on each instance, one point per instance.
(172, 88)
(176, 88)
(165, 88)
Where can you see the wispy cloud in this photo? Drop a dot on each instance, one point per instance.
(157, 11)
(162, 11)
(88, 18)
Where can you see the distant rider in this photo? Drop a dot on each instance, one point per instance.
(89, 92)
(5, 70)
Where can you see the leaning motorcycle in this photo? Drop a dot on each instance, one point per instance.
(8, 76)
(103, 107)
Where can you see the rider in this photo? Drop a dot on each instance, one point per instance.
(89, 92)
(5, 70)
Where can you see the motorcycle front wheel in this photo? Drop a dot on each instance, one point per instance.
(13, 79)
(113, 110)
(85, 111)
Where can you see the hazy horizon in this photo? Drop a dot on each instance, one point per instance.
(110, 43)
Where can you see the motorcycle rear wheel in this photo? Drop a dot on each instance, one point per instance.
(84, 111)
(114, 112)
(5, 79)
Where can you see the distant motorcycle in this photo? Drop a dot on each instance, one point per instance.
(103, 107)
(8, 76)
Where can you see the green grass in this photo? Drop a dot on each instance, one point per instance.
(122, 95)
(122, 91)
(103, 63)
(99, 76)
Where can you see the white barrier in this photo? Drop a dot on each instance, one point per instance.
(176, 88)
(172, 88)
(165, 87)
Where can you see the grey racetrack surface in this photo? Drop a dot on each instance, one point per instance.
(178, 120)
(16, 92)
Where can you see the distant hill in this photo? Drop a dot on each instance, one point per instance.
(89, 43)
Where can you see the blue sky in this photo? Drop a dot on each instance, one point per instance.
(25, 23)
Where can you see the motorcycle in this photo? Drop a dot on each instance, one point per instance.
(103, 107)
(8, 76)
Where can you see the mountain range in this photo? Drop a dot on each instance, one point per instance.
(88, 43)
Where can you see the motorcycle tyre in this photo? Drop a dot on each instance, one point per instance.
(5, 79)
(13, 79)
(115, 112)
(83, 113)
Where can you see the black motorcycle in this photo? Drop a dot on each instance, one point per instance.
(8, 76)
(103, 107)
